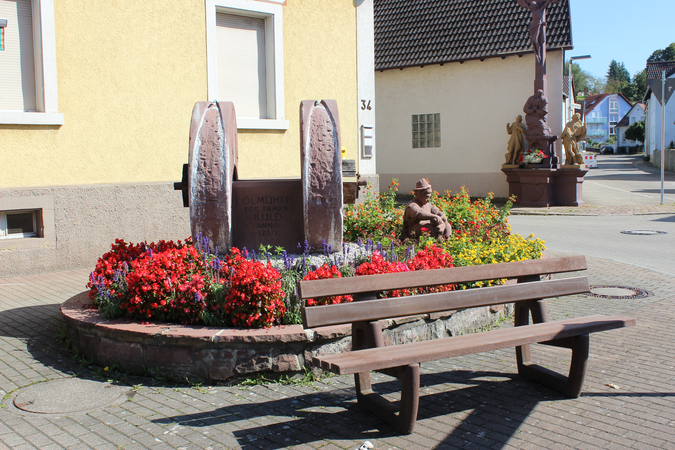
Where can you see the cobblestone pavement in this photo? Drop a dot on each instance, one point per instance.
(471, 402)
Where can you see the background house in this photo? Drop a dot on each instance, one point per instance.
(96, 102)
(602, 114)
(653, 109)
(634, 115)
(449, 76)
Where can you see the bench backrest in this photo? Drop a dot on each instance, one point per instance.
(367, 286)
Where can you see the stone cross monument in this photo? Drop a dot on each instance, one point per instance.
(536, 108)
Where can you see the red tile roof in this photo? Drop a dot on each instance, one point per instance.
(418, 32)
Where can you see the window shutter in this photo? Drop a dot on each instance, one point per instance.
(17, 64)
(242, 72)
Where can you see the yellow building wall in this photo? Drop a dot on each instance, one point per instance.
(319, 63)
(129, 73)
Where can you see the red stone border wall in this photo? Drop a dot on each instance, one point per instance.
(218, 354)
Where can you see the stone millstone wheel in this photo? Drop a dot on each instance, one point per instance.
(321, 173)
(212, 166)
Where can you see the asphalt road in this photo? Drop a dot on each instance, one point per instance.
(626, 180)
(619, 180)
(601, 236)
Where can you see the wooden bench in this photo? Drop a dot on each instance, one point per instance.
(403, 361)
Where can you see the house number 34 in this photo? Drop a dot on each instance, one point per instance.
(365, 105)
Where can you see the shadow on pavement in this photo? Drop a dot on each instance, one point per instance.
(39, 327)
(487, 409)
(665, 219)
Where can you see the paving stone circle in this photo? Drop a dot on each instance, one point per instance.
(67, 395)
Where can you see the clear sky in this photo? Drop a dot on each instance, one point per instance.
(625, 30)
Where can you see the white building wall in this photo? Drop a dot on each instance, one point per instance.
(365, 34)
(476, 100)
(637, 113)
(654, 123)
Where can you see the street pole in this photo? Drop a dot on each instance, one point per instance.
(663, 129)
(569, 81)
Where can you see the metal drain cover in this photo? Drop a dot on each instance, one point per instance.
(68, 395)
(643, 232)
(618, 292)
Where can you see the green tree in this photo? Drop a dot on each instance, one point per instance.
(636, 132)
(640, 81)
(580, 77)
(619, 82)
(596, 85)
(666, 54)
(617, 71)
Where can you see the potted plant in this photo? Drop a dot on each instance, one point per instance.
(532, 155)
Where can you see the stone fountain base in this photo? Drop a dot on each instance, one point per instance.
(215, 355)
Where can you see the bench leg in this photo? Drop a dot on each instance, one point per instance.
(522, 317)
(402, 418)
(570, 385)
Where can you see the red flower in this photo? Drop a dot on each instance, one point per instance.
(323, 273)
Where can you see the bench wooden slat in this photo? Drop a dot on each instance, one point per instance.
(392, 281)
(317, 316)
(418, 352)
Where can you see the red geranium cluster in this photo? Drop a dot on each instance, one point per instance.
(322, 273)
(167, 286)
(378, 265)
(175, 282)
(432, 257)
(255, 297)
(112, 267)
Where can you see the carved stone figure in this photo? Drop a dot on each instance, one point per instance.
(538, 25)
(574, 132)
(536, 109)
(421, 216)
(516, 141)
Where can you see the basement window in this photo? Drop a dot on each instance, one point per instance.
(426, 130)
(19, 224)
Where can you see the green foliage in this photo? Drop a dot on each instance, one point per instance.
(619, 82)
(481, 234)
(617, 71)
(375, 218)
(666, 54)
(596, 85)
(636, 132)
(640, 81)
(581, 78)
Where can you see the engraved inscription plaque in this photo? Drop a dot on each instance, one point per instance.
(268, 212)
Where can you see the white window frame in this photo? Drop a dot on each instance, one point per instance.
(613, 106)
(3, 225)
(272, 13)
(43, 205)
(44, 39)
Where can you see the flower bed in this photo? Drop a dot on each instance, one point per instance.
(190, 283)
